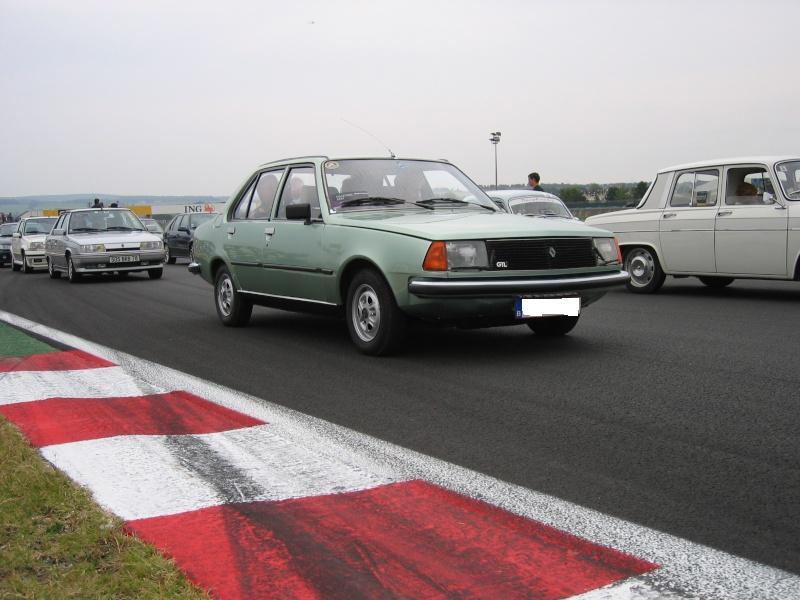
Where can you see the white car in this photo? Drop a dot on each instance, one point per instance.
(530, 203)
(27, 243)
(718, 220)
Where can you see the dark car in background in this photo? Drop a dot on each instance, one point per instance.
(6, 232)
(179, 234)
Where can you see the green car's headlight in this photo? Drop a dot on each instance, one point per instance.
(607, 251)
(93, 248)
(443, 256)
(157, 245)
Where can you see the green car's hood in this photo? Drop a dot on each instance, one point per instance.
(458, 224)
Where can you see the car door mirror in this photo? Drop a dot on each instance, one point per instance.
(768, 198)
(299, 212)
(57, 232)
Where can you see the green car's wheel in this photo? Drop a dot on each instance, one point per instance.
(54, 274)
(376, 325)
(233, 308)
(553, 326)
(72, 275)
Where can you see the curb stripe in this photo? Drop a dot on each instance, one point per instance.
(410, 540)
(53, 361)
(64, 420)
(137, 476)
(108, 382)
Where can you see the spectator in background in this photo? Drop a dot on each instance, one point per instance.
(533, 181)
(113, 205)
(97, 203)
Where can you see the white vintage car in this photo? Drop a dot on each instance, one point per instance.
(27, 243)
(718, 220)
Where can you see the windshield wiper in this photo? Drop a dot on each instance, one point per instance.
(84, 229)
(430, 202)
(373, 200)
(123, 228)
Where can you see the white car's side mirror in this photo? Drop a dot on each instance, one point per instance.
(768, 198)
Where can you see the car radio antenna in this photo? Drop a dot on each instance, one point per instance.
(374, 137)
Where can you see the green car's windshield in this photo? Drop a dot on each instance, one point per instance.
(33, 226)
(367, 184)
(92, 221)
(789, 176)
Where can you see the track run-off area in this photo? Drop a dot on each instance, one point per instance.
(652, 453)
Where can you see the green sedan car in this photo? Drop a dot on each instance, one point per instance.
(385, 241)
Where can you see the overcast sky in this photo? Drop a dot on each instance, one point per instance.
(159, 97)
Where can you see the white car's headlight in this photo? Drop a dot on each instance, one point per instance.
(608, 252)
(36, 246)
(93, 248)
(443, 256)
(157, 245)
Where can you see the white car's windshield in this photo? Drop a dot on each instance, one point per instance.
(390, 183)
(538, 207)
(789, 176)
(90, 221)
(8, 229)
(33, 226)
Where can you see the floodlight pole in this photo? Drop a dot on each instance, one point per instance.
(495, 139)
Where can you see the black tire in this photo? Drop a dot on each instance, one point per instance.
(376, 325)
(233, 309)
(716, 282)
(155, 273)
(168, 258)
(72, 275)
(646, 273)
(123, 274)
(553, 326)
(54, 273)
(14, 266)
(25, 267)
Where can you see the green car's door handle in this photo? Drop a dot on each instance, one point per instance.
(269, 230)
(231, 230)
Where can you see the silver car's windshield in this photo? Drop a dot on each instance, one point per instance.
(789, 176)
(539, 207)
(33, 226)
(8, 229)
(92, 221)
(367, 184)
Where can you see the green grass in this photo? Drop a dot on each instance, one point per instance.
(15, 343)
(56, 543)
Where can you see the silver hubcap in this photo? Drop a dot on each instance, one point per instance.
(166, 253)
(225, 295)
(71, 274)
(641, 267)
(366, 313)
(49, 266)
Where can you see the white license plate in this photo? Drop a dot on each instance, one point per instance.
(547, 307)
(123, 259)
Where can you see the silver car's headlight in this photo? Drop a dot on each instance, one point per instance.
(93, 248)
(157, 245)
(607, 251)
(36, 246)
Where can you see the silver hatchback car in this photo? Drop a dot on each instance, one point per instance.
(101, 240)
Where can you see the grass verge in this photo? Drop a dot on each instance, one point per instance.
(56, 543)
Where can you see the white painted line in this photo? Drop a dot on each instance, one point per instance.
(26, 386)
(140, 476)
(688, 569)
(635, 588)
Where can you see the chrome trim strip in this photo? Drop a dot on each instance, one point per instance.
(287, 298)
(242, 263)
(194, 268)
(299, 269)
(445, 287)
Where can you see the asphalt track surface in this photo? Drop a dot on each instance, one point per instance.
(676, 411)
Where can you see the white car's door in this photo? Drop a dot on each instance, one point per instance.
(751, 226)
(686, 227)
(16, 242)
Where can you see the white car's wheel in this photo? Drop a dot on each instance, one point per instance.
(72, 275)
(54, 274)
(645, 271)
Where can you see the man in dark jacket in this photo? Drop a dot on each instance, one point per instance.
(533, 181)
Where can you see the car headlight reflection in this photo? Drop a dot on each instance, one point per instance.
(157, 245)
(607, 250)
(93, 248)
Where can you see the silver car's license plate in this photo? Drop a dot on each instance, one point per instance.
(125, 258)
(546, 307)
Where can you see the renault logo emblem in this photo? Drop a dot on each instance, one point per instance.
(552, 252)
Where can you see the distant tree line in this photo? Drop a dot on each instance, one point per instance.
(616, 194)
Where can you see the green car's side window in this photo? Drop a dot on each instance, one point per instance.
(264, 195)
(300, 188)
(240, 212)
